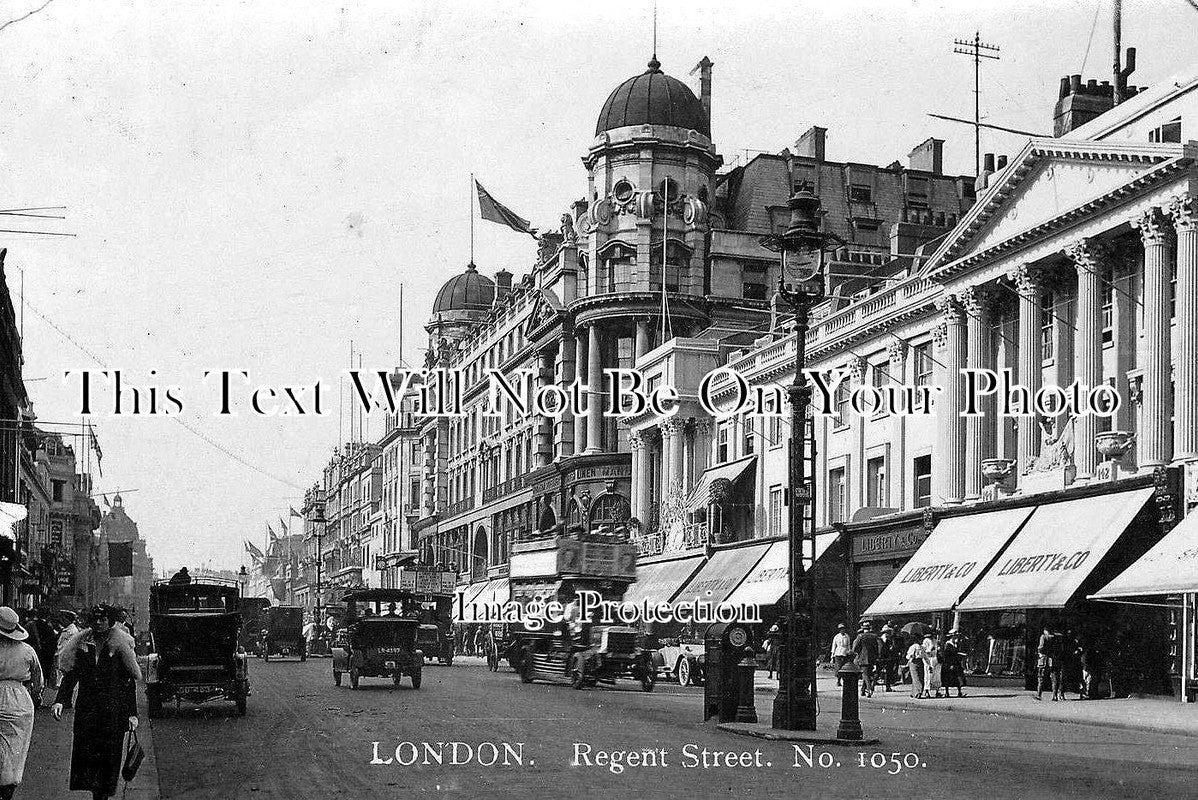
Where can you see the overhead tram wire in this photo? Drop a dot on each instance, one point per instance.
(225, 451)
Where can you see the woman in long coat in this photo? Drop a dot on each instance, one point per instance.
(931, 663)
(101, 662)
(20, 682)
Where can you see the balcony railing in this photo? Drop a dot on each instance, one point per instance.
(465, 504)
(507, 487)
(695, 535)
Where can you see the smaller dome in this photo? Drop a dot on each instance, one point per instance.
(469, 291)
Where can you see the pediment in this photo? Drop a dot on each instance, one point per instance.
(1047, 180)
(546, 309)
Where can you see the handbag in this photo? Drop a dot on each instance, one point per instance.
(134, 755)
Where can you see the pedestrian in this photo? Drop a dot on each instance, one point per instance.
(915, 666)
(70, 628)
(309, 634)
(931, 663)
(842, 649)
(20, 694)
(101, 662)
(773, 638)
(181, 578)
(47, 640)
(952, 667)
(867, 651)
(888, 657)
(1049, 662)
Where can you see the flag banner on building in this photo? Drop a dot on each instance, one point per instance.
(120, 559)
(270, 532)
(283, 526)
(279, 587)
(492, 210)
(95, 444)
(254, 552)
(295, 513)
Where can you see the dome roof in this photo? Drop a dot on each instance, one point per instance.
(653, 98)
(469, 291)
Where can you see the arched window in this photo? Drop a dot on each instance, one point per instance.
(480, 556)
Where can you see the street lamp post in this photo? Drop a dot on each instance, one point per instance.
(802, 286)
(318, 522)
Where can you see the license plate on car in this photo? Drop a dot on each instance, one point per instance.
(389, 664)
(205, 688)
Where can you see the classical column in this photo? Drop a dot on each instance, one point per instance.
(595, 394)
(544, 435)
(566, 375)
(1185, 421)
(1089, 256)
(1028, 284)
(950, 454)
(642, 337)
(637, 446)
(671, 431)
(1154, 439)
(580, 367)
(978, 303)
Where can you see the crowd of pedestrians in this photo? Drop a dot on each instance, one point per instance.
(915, 655)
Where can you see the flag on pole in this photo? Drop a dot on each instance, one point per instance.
(492, 210)
(283, 526)
(295, 513)
(271, 533)
(95, 443)
(254, 552)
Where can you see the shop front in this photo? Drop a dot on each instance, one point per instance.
(877, 550)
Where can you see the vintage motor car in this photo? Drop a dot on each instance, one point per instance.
(681, 659)
(194, 655)
(378, 637)
(587, 655)
(435, 637)
(284, 626)
(253, 611)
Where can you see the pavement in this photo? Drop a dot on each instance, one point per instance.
(48, 768)
(1148, 714)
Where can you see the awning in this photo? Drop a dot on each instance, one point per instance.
(700, 495)
(1055, 552)
(769, 580)
(659, 582)
(10, 515)
(496, 591)
(722, 573)
(949, 561)
(469, 594)
(1171, 567)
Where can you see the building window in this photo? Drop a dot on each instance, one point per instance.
(775, 520)
(749, 435)
(875, 480)
(59, 490)
(859, 193)
(753, 282)
(922, 354)
(837, 496)
(923, 481)
(1047, 318)
(721, 442)
(917, 191)
(775, 431)
(842, 404)
(1169, 132)
(1108, 305)
(880, 375)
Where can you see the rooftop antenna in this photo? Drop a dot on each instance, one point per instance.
(654, 30)
(978, 50)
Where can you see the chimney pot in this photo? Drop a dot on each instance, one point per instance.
(1001, 163)
(988, 163)
(1075, 84)
(1064, 88)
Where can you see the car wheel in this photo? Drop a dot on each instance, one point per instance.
(336, 677)
(416, 678)
(683, 671)
(396, 678)
(353, 677)
(527, 671)
(241, 706)
(647, 680)
(578, 676)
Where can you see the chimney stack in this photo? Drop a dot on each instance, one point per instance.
(811, 143)
(928, 156)
(704, 69)
(503, 284)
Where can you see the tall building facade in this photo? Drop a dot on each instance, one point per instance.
(130, 592)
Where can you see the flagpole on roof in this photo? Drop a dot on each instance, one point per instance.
(473, 189)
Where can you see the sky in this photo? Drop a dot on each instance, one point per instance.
(249, 184)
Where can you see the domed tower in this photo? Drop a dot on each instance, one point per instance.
(650, 178)
(462, 303)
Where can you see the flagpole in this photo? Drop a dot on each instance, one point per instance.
(471, 217)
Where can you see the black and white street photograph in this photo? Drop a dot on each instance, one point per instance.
(649, 399)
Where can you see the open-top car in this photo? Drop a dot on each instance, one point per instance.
(681, 659)
(378, 637)
(193, 641)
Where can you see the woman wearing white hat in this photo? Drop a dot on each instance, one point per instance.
(20, 682)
